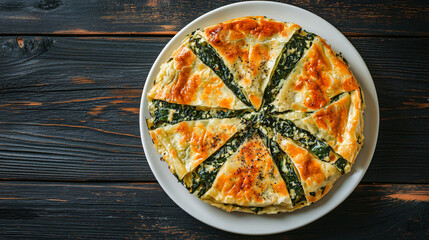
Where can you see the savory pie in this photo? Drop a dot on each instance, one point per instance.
(255, 115)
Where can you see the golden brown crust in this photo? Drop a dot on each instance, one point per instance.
(186, 80)
(319, 76)
(340, 124)
(185, 145)
(239, 28)
(314, 173)
(250, 178)
(250, 46)
(351, 142)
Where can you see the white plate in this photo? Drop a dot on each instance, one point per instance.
(266, 224)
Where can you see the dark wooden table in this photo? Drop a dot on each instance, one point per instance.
(71, 161)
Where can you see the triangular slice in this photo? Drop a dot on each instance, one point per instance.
(320, 75)
(185, 145)
(317, 177)
(184, 79)
(339, 124)
(249, 179)
(249, 47)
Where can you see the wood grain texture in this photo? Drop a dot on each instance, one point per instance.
(144, 211)
(69, 107)
(71, 77)
(398, 17)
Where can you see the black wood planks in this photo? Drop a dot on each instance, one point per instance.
(71, 77)
(399, 17)
(143, 210)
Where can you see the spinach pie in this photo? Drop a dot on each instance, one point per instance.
(255, 115)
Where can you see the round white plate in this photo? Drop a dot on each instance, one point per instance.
(266, 224)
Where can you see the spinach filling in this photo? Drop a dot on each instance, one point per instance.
(164, 113)
(208, 55)
(341, 164)
(288, 129)
(287, 171)
(256, 209)
(319, 148)
(291, 54)
(205, 174)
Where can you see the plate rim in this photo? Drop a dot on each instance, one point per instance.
(325, 209)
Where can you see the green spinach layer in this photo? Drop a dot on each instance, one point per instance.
(208, 55)
(291, 54)
(165, 113)
(205, 174)
(287, 170)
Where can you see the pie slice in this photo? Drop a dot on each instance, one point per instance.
(249, 47)
(257, 116)
(250, 179)
(340, 124)
(319, 76)
(187, 144)
(184, 79)
(317, 177)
